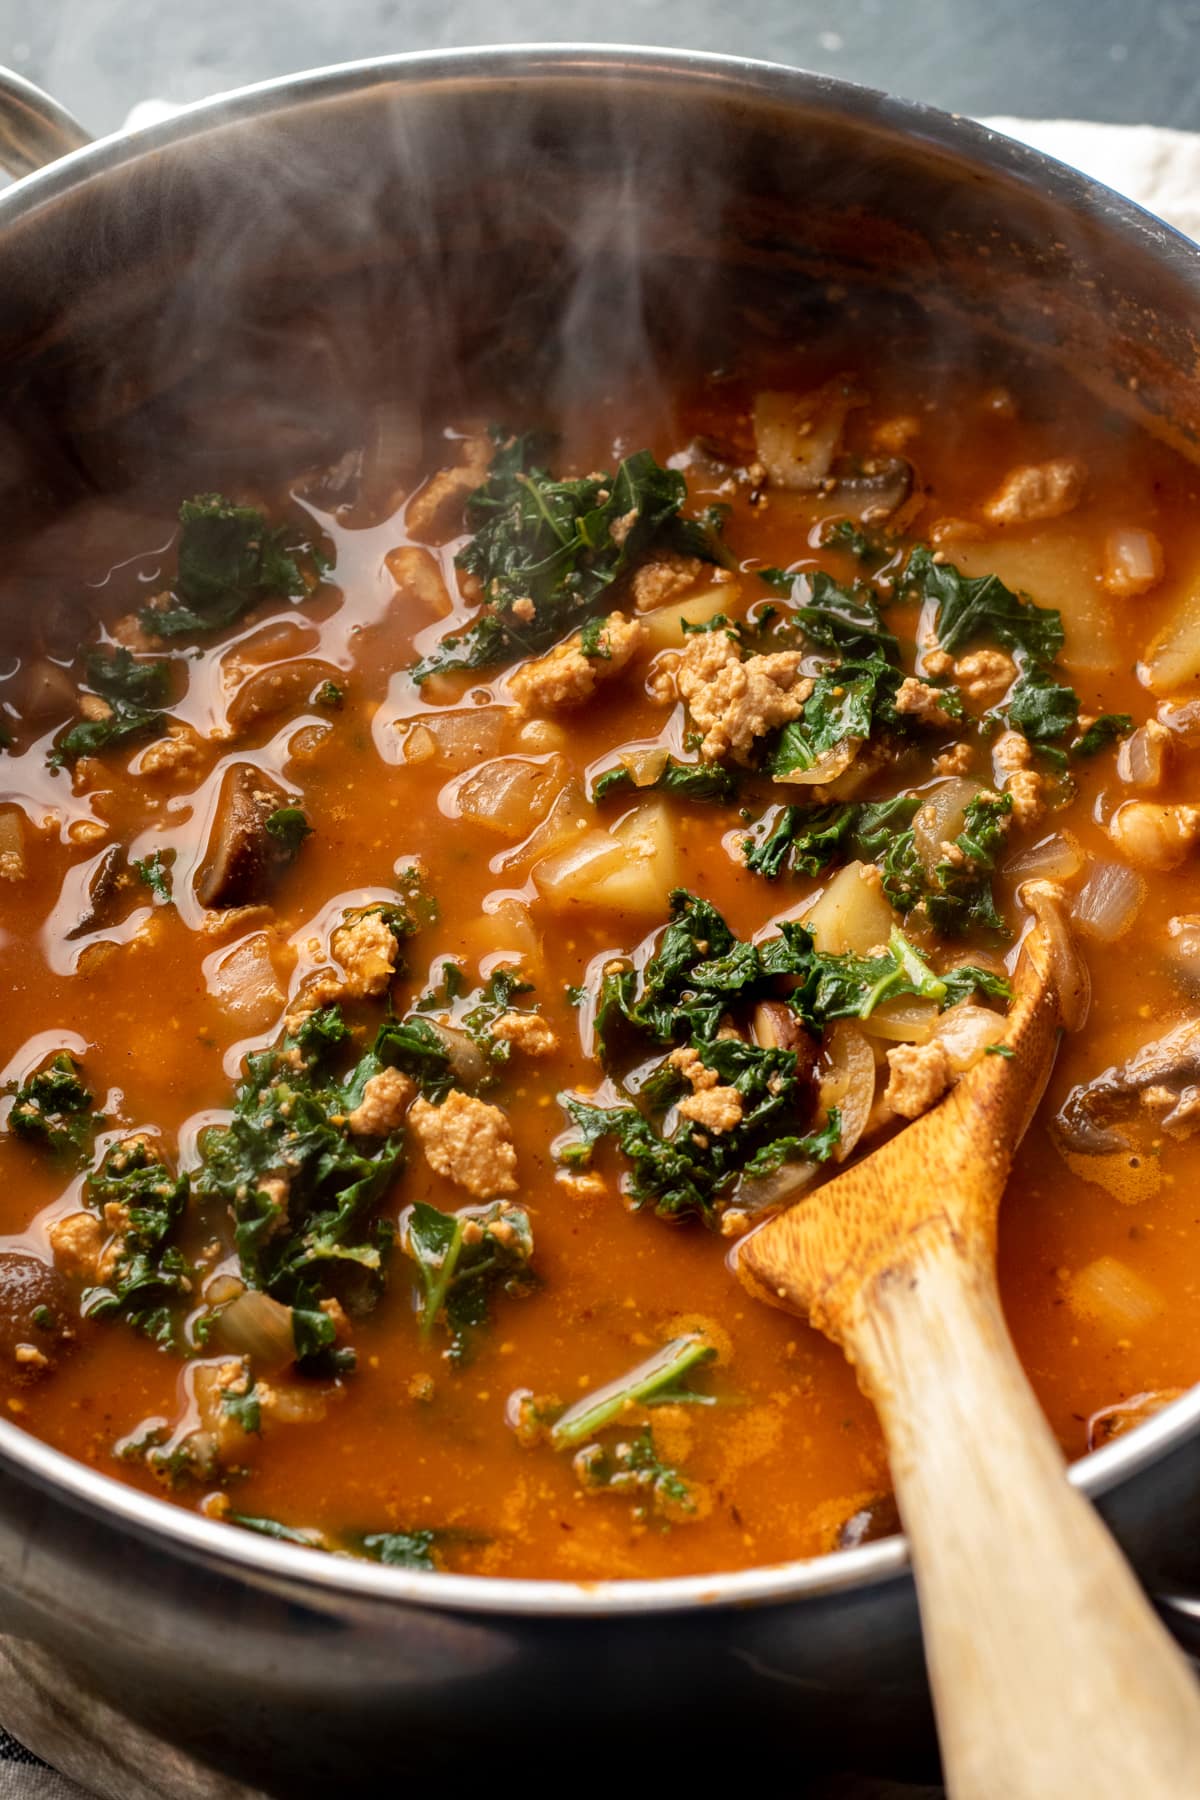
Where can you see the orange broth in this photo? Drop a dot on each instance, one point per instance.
(408, 1440)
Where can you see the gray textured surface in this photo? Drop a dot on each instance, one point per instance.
(1131, 60)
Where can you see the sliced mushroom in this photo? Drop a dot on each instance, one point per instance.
(872, 490)
(101, 879)
(1163, 1075)
(35, 1314)
(243, 857)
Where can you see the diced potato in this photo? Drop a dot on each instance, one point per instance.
(631, 869)
(1056, 566)
(509, 795)
(243, 982)
(852, 914)
(1172, 662)
(664, 624)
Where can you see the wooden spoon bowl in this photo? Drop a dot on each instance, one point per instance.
(1052, 1677)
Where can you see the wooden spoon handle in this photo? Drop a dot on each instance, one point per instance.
(1052, 1677)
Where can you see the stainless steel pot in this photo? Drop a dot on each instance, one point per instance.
(595, 186)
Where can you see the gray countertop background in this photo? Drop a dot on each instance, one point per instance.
(1133, 61)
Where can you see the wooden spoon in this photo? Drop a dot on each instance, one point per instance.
(1052, 1677)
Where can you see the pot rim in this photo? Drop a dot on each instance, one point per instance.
(227, 1550)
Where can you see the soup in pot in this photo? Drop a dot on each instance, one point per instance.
(439, 920)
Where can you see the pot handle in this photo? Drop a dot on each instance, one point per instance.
(34, 129)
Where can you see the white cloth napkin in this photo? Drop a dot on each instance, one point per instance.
(1158, 168)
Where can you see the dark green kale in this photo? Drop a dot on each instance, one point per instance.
(971, 609)
(150, 1284)
(551, 543)
(634, 1469)
(846, 621)
(687, 781)
(402, 1549)
(463, 1259)
(229, 560)
(660, 1381)
(852, 987)
(1044, 709)
(283, 1534)
(289, 827)
(489, 1004)
(301, 1187)
(155, 871)
(805, 839)
(330, 696)
(958, 898)
(848, 535)
(242, 1403)
(592, 642)
(53, 1109)
(1101, 733)
(134, 693)
(852, 702)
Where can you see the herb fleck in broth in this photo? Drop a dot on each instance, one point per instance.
(461, 916)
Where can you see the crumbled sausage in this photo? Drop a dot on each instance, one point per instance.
(926, 704)
(920, 1075)
(381, 1108)
(1037, 491)
(710, 1105)
(418, 577)
(666, 578)
(1011, 757)
(526, 1031)
(366, 949)
(955, 761)
(467, 1141)
(436, 512)
(177, 753)
(733, 702)
(714, 1109)
(985, 675)
(567, 676)
(78, 1245)
(94, 709)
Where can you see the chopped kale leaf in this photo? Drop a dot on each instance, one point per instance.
(846, 621)
(53, 1109)
(1101, 733)
(552, 544)
(150, 1281)
(132, 690)
(1042, 708)
(289, 827)
(302, 1189)
(687, 781)
(970, 609)
(155, 871)
(847, 703)
(229, 560)
(402, 1549)
(463, 1259)
(660, 1381)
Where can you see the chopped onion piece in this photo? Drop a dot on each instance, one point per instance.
(1173, 659)
(1111, 1293)
(645, 766)
(1055, 858)
(509, 795)
(849, 1082)
(910, 1021)
(1133, 562)
(966, 1031)
(1142, 758)
(758, 1194)
(1108, 902)
(940, 819)
(827, 767)
(255, 1325)
(1046, 902)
